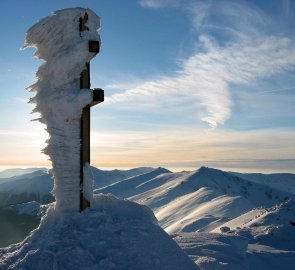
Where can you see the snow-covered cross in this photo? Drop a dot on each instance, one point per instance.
(98, 96)
(67, 40)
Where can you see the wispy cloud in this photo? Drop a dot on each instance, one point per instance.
(159, 3)
(206, 77)
(277, 90)
(196, 9)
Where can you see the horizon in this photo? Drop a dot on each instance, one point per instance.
(238, 168)
(187, 84)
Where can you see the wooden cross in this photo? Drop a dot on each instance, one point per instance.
(98, 96)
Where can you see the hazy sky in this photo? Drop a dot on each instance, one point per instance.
(187, 83)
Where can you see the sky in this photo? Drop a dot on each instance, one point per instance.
(187, 83)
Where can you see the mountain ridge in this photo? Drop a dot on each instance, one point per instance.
(211, 214)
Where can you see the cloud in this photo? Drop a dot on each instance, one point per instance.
(241, 19)
(276, 90)
(159, 3)
(205, 78)
(198, 11)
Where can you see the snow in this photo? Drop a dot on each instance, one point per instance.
(207, 212)
(30, 208)
(88, 182)
(201, 200)
(134, 185)
(206, 209)
(112, 234)
(214, 251)
(104, 178)
(265, 257)
(37, 185)
(280, 181)
(17, 171)
(34, 186)
(205, 216)
(269, 232)
(58, 98)
(179, 184)
(266, 225)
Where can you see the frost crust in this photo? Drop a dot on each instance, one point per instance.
(58, 97)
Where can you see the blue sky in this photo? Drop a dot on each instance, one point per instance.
(187, 83)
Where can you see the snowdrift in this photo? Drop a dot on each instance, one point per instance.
(112, 234)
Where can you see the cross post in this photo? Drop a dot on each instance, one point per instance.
(98, 97)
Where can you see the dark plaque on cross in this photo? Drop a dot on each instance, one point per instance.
(98, 96)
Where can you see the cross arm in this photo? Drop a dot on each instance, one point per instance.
(97, 96)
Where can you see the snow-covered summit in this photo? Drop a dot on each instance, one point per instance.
(230, 184)
(112, 234)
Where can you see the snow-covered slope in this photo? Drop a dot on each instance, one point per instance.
(192, 213)
(234, 186)
(270, 233)
(265, 226)
(195, 201)
(215, 251)
(113, 234)
(134, 185)
(280, 181)
(104, 178)
(163, 189)
(17, 221)
(32, 208)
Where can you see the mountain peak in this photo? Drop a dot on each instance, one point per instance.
(162, 170)
(208, 169)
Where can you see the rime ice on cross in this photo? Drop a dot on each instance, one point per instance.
(67, 40)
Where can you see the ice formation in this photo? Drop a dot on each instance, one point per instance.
(59, 99)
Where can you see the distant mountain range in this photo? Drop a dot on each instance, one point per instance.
(18, 171)
(249, 212)
(36, 184)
